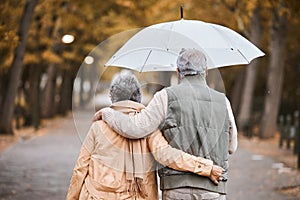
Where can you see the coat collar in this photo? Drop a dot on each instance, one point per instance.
(127, 106)
(194, 79)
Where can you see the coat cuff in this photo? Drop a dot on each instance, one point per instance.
(203, 167)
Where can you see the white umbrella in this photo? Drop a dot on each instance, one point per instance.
(156, 48)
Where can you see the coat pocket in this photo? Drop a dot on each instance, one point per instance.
(105, 177)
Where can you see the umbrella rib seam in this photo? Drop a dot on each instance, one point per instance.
(243, 56)
(146, 61)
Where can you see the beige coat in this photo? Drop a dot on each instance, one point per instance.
(102, 166)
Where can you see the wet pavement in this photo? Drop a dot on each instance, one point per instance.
(255, 177)
(41, 167)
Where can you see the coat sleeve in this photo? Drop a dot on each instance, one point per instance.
(233, 142)
(82, 166)
(177, 159)
(142, 124)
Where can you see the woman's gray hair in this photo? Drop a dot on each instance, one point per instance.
(125, 86)
(191, 62)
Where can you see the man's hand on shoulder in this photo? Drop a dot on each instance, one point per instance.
(98, 115)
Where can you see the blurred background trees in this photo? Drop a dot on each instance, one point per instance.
(43, 84)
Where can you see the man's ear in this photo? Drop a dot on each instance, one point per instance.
(178, 73)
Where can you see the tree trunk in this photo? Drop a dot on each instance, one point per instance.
(48, 106)
(65, 93)
(275, 75)
(237, 90)
(33, 95)
(48, 95)
(16, 69)
(1, 90)
(3, 85)
(250, 79)
(35, 102)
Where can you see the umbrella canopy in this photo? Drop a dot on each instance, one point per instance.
(156, 48)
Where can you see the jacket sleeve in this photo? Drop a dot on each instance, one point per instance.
(233, 142)
(177, 159)
(81, 167)
(142, 124)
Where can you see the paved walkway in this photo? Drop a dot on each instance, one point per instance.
(254, 177)
(41, 167)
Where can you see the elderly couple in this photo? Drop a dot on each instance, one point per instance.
(189, 129)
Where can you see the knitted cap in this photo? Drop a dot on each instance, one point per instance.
(125, 86)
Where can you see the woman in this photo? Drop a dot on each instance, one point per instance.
(110, 166)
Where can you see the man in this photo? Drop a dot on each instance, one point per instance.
(112, 167)
(193, 118)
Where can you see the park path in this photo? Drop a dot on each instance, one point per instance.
(41, 167)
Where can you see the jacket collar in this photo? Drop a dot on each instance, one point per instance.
(197, 79)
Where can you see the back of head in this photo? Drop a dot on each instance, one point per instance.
(125, 86)
(191, 62)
